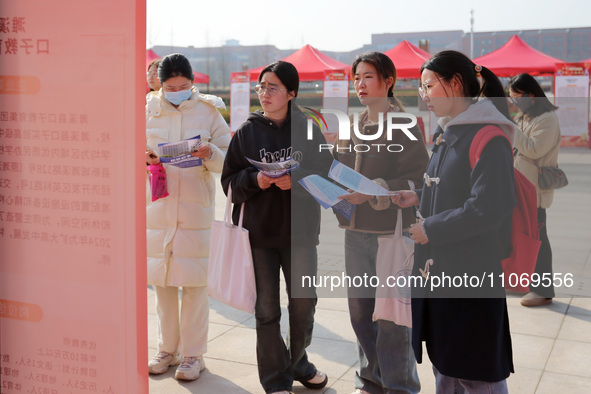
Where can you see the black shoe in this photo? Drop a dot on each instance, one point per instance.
(316, 383)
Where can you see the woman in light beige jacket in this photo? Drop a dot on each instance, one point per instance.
(537, 141)
(178, 225)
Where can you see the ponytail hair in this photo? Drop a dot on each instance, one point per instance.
(450, 64)
(385, 69)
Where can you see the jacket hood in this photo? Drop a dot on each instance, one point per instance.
(483, 111)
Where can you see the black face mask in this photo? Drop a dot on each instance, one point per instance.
(523, 103)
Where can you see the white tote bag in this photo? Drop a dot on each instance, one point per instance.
(231, 272)
(394, 266)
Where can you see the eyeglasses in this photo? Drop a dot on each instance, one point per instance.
(152, 74)
(425, 89)
(272, 90)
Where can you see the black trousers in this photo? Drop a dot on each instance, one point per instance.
(544, 263)
(280, 363)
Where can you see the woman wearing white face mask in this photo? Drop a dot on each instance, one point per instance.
(178, 225)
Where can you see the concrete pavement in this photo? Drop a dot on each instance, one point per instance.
(551, 345)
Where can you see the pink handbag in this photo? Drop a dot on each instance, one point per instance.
(157, 175)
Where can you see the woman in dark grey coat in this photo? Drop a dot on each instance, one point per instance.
(465, 231)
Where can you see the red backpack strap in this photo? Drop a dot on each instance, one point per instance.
(482, 137)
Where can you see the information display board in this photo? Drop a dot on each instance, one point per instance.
(571, 96)
(72, 197)
(239, 99)
(335, 95)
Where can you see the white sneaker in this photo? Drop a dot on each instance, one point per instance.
(190, 368)
(160, 363)
(360, 391)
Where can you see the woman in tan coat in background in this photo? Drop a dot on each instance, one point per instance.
(537, 143)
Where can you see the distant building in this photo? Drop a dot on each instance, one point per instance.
(438, 40)
(572, 44)
(220, 62)
(232, 43)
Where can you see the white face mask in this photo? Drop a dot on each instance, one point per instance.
(178, 97)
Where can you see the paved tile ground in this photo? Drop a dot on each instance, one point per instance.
(551, 345)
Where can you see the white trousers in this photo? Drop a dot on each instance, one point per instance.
(186, 335)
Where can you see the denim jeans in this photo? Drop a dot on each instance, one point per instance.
(448, 385)
(281, 363)
(387, 362)
(544, 262)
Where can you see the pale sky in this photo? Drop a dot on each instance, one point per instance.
(344, 25)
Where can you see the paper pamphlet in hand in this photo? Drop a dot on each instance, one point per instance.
(355, 181)
(178, 153)
(327, 193)
(275, 169)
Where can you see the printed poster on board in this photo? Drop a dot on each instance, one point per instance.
(239, 99)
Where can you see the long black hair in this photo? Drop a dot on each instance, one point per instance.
(384, 67)
(287, 74)
(449, 64)
(526, 84)
(175, 65)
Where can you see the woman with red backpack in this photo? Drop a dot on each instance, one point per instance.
(465, 233)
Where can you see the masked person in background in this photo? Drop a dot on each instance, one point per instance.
(537, 141)
(178, 225)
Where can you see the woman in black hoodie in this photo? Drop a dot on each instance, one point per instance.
(283, 221)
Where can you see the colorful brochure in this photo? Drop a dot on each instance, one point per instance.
(355, 181)
(178, 153)
(275, 169)
(327, 193)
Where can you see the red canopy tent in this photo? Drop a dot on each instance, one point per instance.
(310, 63)
(408, 59)
(150, 56)
(516, 57)
(198, 77)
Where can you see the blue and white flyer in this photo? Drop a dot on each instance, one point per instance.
(275, 169)
(178, 153)
(355, 181)
(327, 194)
